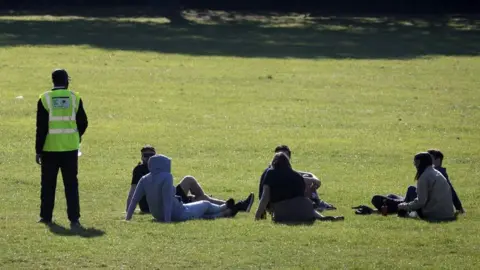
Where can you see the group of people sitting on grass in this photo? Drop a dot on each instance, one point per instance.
(289, 196)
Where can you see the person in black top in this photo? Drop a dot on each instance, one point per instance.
(138, 172)
(310, 180)
(188, 185)
(52, 161)
(285, 193)
(437, 157)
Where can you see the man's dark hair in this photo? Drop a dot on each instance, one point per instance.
(283, 148)
(425, 160)
(281, 161)
(148, 148)
(436, 154)
(60, 77)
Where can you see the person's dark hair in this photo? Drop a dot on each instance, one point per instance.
(60, 77)
(285, 149)
(148, 148)
(281, 161)
(425, 160)
(436, 154)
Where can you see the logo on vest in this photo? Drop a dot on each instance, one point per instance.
(61, 103)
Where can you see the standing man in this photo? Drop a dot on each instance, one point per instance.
(61, 122)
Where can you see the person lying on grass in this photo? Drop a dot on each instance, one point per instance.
(286, 196)
(164, 205)
(188, 185)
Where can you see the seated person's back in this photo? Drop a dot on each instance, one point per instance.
(284, 184)
(285, 192)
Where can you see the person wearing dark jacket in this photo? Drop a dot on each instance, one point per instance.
(287, 196)
(60, 124)
(310, 179)
(437, 157)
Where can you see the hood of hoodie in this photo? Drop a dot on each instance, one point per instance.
(159, 164)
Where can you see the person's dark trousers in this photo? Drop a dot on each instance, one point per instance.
(411, 194)
(67, 162)
(183, 196)
(391, 202)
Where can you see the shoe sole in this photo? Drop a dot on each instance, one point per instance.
(250, 204)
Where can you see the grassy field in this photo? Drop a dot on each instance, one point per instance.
(354, 97)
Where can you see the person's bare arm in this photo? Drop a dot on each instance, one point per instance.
(262, 207)
(137, 195)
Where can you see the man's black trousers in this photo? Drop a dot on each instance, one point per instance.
(67, 162)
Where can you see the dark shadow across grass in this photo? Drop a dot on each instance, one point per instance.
(252, 35)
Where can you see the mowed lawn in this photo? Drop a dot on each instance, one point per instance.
(354, 98)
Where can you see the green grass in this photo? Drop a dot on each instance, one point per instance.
(217, 96)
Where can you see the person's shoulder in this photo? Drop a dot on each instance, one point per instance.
(145, 177)
(268, 173)
(443, 170)
(43, 94)
(299, 173)
(140, 167)
(429, 174)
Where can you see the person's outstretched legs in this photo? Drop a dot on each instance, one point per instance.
(207, 210)
(190, 184)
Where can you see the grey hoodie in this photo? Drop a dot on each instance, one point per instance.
(158, 188)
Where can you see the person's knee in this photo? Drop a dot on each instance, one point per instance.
(188, 180)
(412, 189)
(377, 201)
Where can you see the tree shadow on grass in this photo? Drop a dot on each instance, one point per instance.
(271, 35)
(80, 231)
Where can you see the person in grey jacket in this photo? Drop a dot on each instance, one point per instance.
(164, 206)
(434, 196)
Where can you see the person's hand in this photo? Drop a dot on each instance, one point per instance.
(38, 159)
(402, 206)
(260, 216)
(461, 211)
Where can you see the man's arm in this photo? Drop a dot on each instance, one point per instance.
(82, 120)
(130, 195)
(456, 201)
(422, 195)
(262, 206)
(136, 176)
(42, 127)
(261, 183)
(139, 193)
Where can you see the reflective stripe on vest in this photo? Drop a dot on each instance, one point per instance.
(62, 130)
